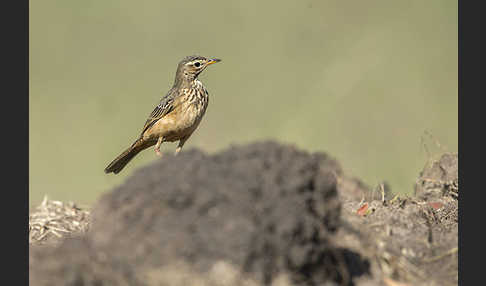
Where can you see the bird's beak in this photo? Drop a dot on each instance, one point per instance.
(212, 61)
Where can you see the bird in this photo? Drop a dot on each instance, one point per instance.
(176, 116)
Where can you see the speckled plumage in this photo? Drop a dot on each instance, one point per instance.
(176, 116)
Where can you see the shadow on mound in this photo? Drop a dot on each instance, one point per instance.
(265, 210)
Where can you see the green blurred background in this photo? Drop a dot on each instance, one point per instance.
(364, 81)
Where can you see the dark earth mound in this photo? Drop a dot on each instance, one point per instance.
(261, 214)
(266, 209)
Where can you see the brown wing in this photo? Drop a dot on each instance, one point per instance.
(162, 109)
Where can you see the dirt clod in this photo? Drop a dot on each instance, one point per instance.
(440, 178)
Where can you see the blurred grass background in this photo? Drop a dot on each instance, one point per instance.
(364, 81)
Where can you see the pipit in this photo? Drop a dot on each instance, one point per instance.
(177, 115)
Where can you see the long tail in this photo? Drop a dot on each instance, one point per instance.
(122, 160)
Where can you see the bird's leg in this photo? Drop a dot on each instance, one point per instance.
(179, 146)
(157, 146)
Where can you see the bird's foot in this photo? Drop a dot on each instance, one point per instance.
(178, 149)
(157, 146)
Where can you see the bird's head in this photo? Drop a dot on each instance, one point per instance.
(190, 67)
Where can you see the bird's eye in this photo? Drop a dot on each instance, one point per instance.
(197, 64)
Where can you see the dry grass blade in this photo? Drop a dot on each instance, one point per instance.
(391, 282)
(438, 257)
